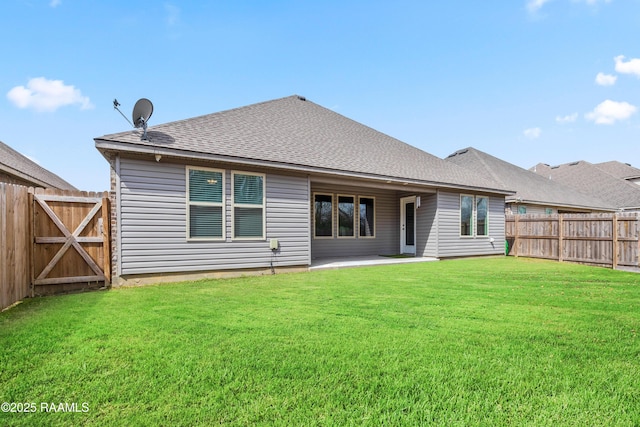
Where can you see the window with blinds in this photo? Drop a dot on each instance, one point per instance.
(205, 207)
(248, 205)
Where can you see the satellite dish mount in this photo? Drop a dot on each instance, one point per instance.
(142, 111)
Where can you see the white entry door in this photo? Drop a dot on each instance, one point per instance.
(408, 225)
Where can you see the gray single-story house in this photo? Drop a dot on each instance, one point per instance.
(274, 185)
(534, 194)
(593, 180)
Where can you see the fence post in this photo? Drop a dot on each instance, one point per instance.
(515, 235)
(32, 239)
(614, 224)
(560, 237)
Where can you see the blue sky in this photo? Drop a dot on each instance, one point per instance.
(527, 81)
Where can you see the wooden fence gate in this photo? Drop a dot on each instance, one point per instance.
(71, 241)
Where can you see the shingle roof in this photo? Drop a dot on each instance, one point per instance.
(530, 187)
(619, 169)
(292, 132)
(589, 179)
(15, 164)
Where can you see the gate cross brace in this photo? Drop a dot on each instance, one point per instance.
(71, 239)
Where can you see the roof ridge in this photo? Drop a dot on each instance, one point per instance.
(31, 163)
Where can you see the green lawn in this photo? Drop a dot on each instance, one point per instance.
(498, 341)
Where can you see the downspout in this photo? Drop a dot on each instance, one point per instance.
(437, 223)
(118, 218)
(309, 213)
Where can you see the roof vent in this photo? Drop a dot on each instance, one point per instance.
(302, 98)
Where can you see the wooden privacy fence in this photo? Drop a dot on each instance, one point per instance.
(53, 241)
(605, 239)
(15, 244)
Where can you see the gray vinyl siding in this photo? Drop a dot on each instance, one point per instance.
(154, 223)
(387, 236)
(451, 244)
(427, 226)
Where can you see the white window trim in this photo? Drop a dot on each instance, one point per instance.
(244, 205)
(355, 233)
(375, 228)
(220, 204)
(333, 204)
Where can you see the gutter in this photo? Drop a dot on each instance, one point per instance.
(104, 145)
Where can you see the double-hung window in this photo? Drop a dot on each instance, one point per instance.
(482, 216)
(466, 215)
(205, 207)
(248, 205)
(474, 216)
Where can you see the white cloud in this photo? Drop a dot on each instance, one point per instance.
(42, 94)
(608, 112)
(532, 133)
(606, 79)
(55, 3)
(567, 119)
(632, 66)
(535, 5)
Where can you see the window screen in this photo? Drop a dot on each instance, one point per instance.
(248, 206)
(205, 205)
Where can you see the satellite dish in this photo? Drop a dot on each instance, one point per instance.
(142, 111)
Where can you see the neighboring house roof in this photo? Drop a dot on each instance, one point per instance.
(295, 133)
(15, 164)
(590, 179)
(530, 187)
(619, 169)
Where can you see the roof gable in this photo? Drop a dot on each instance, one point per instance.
(293, 131)
(15, 164)
(619, 169)
(530, 187)
(589, 179)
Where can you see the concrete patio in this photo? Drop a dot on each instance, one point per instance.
(361, 261)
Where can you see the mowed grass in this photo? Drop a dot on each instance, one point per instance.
(498, 341)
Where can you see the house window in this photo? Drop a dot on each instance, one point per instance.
(346, 216)
(248, 205)
(474, 216)
(522, 209)
(466, 215)
(367, 216)
(548, 211)
(323, 215)
(482, 216)
(205, 207)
